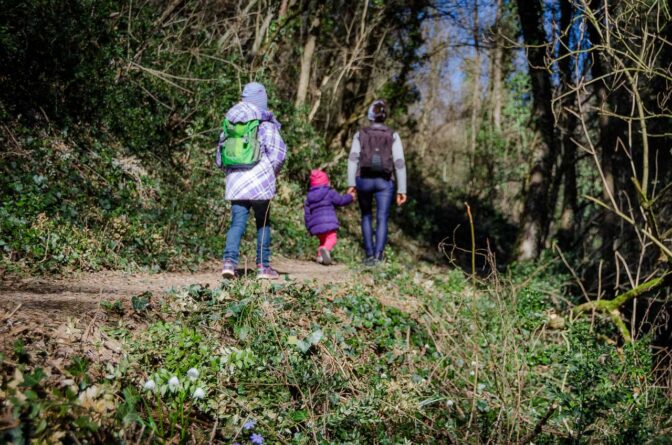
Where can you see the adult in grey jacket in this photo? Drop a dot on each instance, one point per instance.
(376, 167)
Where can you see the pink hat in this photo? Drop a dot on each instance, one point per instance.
(318, 178)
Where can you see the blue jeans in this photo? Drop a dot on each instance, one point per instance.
(240, 211)
(383, 191)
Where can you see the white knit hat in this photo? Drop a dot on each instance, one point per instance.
(255, 93)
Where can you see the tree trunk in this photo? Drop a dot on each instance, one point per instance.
(284, 4)
(306, 61)
(607, 146)
(318, 98)
(475, 92)
(437, 60)
(496, 70)
(536, 211)
(261, 31)
(566, 232)
(425, 133)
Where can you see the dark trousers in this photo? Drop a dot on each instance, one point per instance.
(382, 190)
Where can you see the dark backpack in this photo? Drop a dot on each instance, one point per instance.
(375, 157)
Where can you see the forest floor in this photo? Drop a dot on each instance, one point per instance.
(410, 335)
(69, 309)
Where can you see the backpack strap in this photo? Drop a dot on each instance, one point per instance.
(229, 129)
(366, 132)
(266, 116)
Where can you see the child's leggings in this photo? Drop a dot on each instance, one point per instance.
(327, 240)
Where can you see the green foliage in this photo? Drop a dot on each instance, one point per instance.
(440, 361)
(125, 176)
(141, 303)
(56, 57)
(113, 306)
(37, 406)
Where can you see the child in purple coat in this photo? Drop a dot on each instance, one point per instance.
(320, 213)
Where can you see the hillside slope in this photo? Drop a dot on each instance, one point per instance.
(398, 354)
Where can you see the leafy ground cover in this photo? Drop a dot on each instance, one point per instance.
(117, 171)
(441, 361)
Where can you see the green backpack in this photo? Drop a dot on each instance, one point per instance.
(238, 144)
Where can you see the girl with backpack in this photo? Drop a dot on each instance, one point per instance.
(320, 213)
(376, 167)
(251, 152)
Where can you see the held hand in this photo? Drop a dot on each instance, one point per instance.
(352, 192)
(401, 199)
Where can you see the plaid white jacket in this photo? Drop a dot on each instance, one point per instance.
(258, 182)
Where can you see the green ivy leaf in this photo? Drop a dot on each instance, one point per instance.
(303, 346)
(140, 302)
(298, 416)
(482, 406)
(34, 378)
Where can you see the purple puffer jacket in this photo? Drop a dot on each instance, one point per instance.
(319, 209)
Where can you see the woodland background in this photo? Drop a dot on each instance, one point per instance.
(550, 119)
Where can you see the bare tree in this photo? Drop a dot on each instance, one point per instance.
(437, 49)
(567, 69)
(629, 36)
(476, 85)
(496, 69)
(537, 208)
(306, 62)
(608, 136)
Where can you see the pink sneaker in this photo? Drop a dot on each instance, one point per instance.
(229, 269)
(267, 273)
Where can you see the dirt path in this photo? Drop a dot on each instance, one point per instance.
(59, 298)
(62, 317)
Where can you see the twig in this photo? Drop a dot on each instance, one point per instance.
(18, 306)
(572, 271)
(537, 428)
(167, 12)
(88, 328)
(611, 307)
(214, 431)
(142, 431)
(473, 245)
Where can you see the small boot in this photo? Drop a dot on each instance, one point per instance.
(369, 261)
(325, 255)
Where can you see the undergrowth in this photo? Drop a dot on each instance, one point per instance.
(117, 171)
(440, 362)
(90, 205)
